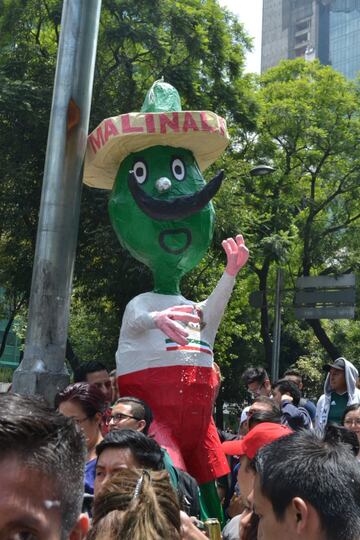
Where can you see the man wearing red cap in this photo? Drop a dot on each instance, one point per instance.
(246, 448)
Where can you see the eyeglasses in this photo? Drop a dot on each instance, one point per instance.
(119, 417)
(352, 422)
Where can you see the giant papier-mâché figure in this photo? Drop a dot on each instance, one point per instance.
(161, 210)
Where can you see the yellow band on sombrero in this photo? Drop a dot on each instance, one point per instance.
(202, 132)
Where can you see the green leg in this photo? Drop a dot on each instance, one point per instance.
(210, 506)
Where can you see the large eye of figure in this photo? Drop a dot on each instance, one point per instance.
(178, 169)
(140, 171)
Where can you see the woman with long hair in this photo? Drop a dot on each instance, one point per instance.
(136, 505)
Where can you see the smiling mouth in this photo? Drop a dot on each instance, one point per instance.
(178, 207)
(175, 241)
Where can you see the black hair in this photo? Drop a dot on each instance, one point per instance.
(288, 387)
(254, 374)
(145, 450)
(139, 409)
(349, 408)
(294, 372)
(45, 440)
(323, 473)
(88, 367)
(269, 402)
(258, 417)
(336, 433)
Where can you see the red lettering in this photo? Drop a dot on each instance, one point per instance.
(165, 121)
(189, 122)
(150, 123)
(204, 125)
(126, 127)
(110, 129)
(96, 140)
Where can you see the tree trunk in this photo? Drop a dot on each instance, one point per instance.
(325, 342)
(315, 324)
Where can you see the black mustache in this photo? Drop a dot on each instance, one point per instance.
(177, 208)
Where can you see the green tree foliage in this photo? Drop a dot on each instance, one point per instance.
(26, 74)
(313, 376)
(303, 217)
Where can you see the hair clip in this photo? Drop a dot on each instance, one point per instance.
(140, 482)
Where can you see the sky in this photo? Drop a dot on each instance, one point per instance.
(250, 14)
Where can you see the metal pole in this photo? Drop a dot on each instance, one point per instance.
(277, 327)
(43, 370)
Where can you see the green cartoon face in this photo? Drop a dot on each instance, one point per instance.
(161, 210)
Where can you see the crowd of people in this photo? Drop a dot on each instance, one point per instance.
(288, 482)
(88, 468)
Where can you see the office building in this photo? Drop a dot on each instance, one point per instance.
(324, 29)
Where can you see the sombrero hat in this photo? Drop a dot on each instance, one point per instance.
(160, 122)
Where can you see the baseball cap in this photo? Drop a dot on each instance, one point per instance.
(259, 436)
(338, 364)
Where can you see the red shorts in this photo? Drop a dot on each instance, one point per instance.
(181, 399)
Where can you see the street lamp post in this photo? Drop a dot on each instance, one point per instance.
(42, 370)
(261, 170)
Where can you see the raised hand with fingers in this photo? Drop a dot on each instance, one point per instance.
(166, 321)
(237, 254)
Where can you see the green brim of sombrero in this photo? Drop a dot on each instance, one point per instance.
(160, 122)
